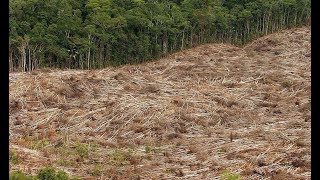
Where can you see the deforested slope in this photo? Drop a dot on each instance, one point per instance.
(192, 115)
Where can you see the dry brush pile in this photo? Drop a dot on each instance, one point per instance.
(191, 115)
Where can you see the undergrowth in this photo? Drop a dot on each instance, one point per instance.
(47, 173)
(13, 157)
(230, 176)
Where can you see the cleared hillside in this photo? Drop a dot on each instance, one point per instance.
(192, 115)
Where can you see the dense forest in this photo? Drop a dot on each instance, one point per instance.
(88, 34)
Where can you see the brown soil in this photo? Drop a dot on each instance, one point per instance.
(191, 115)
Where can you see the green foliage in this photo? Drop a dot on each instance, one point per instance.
(96, 33)
(40, 144)
(230, 176)
(121, 156)
(82, 150)
(47, 173)
(18, 175)
(149, 149)
(13, 157)
(97, 170)
(51, 174)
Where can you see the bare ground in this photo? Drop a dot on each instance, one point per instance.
(191, 115)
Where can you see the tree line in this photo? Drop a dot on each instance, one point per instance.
(89, 34)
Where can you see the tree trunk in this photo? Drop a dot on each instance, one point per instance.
(284, 18)
(29, 68)
(10, 60)
(165, 43)
(267, 24)
(263, 23)
(34, 61)
(22, 50)
(191, 38)
(88, 59)
(248, 27)
(182, 41)
(257, 29)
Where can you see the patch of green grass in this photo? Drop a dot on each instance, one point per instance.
(18, 175)
(66, 163)
(149, 149)
(47, 173)
(82, 150)
(39, 144)
(50, 173)
(227, 175)
(65, 152)
(120, 156)
(93, 146)
(97, 170)
(13, 157)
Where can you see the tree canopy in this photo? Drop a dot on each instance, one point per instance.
(90, 34)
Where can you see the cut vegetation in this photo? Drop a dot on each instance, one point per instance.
(211, 111)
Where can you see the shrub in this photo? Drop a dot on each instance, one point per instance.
(18, 175)
(13, 158)
(82, 150)
(49, 173)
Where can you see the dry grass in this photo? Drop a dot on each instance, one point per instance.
(198, 113)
